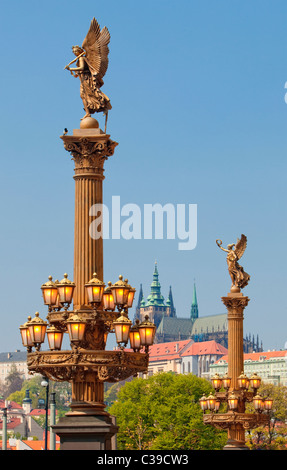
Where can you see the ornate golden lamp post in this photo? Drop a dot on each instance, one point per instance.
(87, 365)
(235, 388)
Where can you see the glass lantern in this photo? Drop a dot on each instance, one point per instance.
(120, 291)
(55, 338)
(37, 330)
(258, 402)
(135, 340)
(243, 381)
(122, 326)
(211, 400)
(131, 295)
(25, 334)
(108, 298)
(226, 381)
(216, 382)
(233, 401)
(255, 381)
(268, 402)
(65, 290)
(147, 332)
(95, 290)
(76, 328)
(203, 403)
(50, 293)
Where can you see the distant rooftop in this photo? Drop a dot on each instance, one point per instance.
(13, 356)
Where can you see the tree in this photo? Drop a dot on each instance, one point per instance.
(274, 436)
(163, 412)
(13, 381)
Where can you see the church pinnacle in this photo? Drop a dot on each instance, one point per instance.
(194, 305)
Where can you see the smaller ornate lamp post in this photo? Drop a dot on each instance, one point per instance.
(236, 384)
(45, 383)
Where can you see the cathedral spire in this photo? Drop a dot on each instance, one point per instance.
(140, 296)
(194, 305)
(155, 297)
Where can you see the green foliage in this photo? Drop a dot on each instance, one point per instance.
(273, 436)
(163, 412)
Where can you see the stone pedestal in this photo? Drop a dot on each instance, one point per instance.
(86, 432)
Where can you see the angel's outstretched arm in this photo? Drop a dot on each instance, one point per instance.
(219, 243)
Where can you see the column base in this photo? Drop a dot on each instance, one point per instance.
(85, 431)
(233, 444)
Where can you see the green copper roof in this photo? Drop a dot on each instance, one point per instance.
(155, 298)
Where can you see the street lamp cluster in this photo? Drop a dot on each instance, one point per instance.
(117, 298)
(247, 392)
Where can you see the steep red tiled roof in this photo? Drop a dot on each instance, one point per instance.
(11, 423)
(12, 405)
(205, 348)
(170, 350)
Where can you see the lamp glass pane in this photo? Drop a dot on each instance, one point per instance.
(108, 301)
(131, 295)
(50, 295)
(122, 332)
(55, 339)
(135, 340)
(76, 331)
(65, 294)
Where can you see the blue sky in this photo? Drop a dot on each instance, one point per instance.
(197, 90)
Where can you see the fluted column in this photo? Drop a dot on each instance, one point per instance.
(89, 149)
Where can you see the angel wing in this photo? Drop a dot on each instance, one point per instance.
(96, 46)
(240, 246)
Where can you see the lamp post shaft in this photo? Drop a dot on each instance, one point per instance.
(235, 303)
(88, 251)
(89, 148)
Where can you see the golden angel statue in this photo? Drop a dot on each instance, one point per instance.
(92, 63)
(238, 276)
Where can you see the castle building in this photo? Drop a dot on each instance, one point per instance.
(155, 306)
(171, 328)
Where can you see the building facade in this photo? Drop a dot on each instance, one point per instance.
(271, 366)
(184, 357)
(9, 360)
